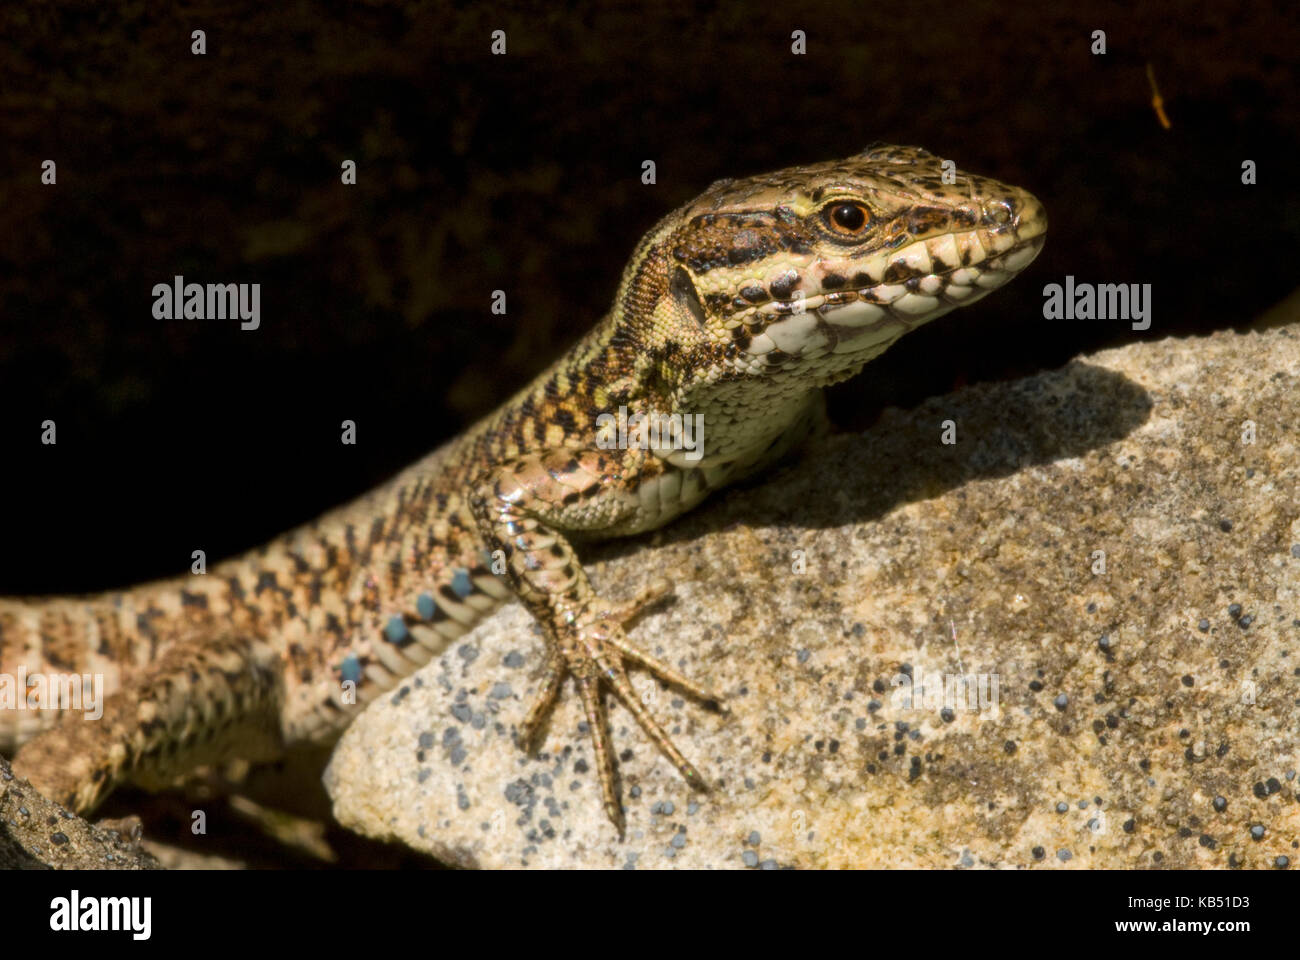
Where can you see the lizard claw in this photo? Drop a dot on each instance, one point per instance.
(594, 648)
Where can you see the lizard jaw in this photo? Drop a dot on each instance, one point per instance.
(855, 325)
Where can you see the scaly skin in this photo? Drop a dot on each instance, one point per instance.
(738, 307)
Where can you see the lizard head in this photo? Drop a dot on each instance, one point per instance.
(808, 273)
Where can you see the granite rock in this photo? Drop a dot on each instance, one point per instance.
(36, 834)
(1070, 638)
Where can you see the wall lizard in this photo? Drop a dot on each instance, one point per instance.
(736, 308)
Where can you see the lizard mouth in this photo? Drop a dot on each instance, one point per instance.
(908, 288)
(925, 295)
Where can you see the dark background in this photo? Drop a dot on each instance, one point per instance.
(522, 173)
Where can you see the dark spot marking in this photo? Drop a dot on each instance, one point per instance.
(832, 281)
(748, 246)
(795, 244)
(784, 285)
(897, 272)
(151, 726)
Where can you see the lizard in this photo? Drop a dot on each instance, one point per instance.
(736, 309)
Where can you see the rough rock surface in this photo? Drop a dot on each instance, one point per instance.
(36, 834)
(1145, 711)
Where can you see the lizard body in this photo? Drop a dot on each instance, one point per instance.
(735, 310)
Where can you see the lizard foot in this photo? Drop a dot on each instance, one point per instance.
(593, 647)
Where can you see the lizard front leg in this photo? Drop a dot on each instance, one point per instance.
(522, 510)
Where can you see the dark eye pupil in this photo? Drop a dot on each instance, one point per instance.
(849, 216)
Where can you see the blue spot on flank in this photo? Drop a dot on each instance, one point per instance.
(351, 668)
(424, 606)
(460, 584)
(395, 631)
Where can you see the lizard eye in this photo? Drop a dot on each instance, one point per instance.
(846, 217)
